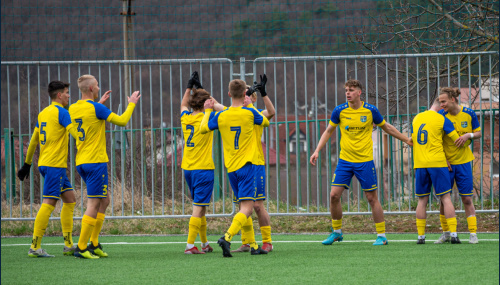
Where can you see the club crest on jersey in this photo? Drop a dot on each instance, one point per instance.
(363, 119)
(464, 124)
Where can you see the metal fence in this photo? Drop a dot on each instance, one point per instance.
(146, 180)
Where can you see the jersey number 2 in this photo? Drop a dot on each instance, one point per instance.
(189, 143)
(422, 132)
(80, 130)
(236, 136)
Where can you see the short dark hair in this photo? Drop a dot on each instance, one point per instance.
(56, 87)
(198, 99)
(354, 83)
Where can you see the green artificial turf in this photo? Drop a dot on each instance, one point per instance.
(301, 260)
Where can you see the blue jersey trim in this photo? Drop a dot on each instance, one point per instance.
(101, 111)
(377, 117)
(448, 126)
(335, 118)
(64, 118)
(185, 113)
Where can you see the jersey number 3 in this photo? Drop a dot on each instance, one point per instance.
(422, 135)
(80, 130)
(236, 136)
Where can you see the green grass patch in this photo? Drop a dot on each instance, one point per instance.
(303, 259)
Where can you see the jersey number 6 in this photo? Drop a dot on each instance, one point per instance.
(422, 132)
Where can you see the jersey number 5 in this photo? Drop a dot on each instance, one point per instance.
(422, 132)
(80, 130)
(42, 131)
(189, 143)
(236, 136)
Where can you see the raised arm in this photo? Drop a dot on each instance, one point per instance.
(204, 126)
(322, 142)
(185, 100)
(269, 112)
(123, 119)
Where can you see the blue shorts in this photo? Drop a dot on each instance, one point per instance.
(462, 175)
(56, 182)
(95, 176)
(425, 177)
(260, 181)
(365, 172)
(201, 185)
(243, 183)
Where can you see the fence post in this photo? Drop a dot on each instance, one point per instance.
(10, 165)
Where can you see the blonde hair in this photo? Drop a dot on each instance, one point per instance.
(451, 92)
(237, 88)
(85, 81)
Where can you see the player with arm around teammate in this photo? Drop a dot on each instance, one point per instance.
(431, 168)
(197, 162)
(236, 126)
(51, 132)
(91, 159)
(468, 128)
(355, 119)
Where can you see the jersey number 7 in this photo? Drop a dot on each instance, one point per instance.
(236, 136)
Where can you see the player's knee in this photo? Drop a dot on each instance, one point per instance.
(335, 196)
(467, 200)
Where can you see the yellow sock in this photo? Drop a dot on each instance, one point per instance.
(203, 230)
(421, 226)
(41, 222)
(380, 227)
(238, 221)
(472, 222)
(67, 223)
(337, 224)
(94, 237)
(88, 224)
(444, 224)
(266, 234)
(452, 223)
(246, 231)
(194, 228)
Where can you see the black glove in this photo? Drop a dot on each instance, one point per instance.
(250, 91)
(261, 87)
(24, 172)
(194, 80)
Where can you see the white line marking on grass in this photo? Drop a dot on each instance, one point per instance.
(275, 241)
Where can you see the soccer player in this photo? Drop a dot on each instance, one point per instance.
(197, 162)
(431, 167)
(51, 131)
(260, 174)
(91, 159)
(356, 119)
(236, 126)
(467, 126)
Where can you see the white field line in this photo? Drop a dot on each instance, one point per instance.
(274, 241)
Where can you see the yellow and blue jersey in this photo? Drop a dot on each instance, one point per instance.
(427, 134)
(197, 147)
(53, 124)
(89, 117)
(259, 158)
(464, 122)
(236, 125)
(356, 126)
